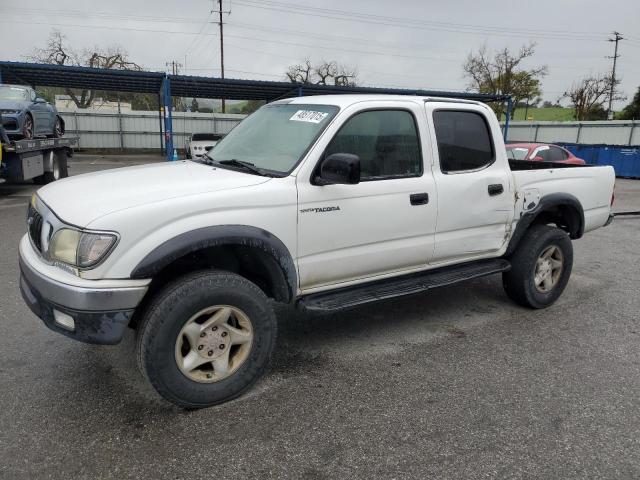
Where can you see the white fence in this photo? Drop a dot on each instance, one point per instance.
(140, 129)
(616, 132)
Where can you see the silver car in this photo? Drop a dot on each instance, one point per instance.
(26, 115)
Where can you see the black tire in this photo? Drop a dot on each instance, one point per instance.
(60, 170)
(57, 128)
(28, 127)
(171, 309)
(519, 283)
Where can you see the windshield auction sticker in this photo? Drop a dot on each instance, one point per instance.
(308, 116)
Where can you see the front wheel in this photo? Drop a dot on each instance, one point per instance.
(206, 338)
(27, 127)
(540, 267)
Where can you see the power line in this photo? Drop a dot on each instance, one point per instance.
(199, 35)
(341, 38)
(100, 15)
(109, 27)
(348, 50)
(416, 24)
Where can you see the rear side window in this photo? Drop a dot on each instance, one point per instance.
(544, 153)
(464, 140)
(558, 154)
(385, 140)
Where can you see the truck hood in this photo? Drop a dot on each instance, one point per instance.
(84, 198)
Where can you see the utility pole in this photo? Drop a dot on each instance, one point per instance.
(616, 39)
(220, 12)
(175, 66)
(175, 69)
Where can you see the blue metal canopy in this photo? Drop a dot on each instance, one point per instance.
(165, 85)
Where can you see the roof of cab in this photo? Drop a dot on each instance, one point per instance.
(346, 100)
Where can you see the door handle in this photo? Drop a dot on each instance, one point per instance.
(495, 189)
(419, 198)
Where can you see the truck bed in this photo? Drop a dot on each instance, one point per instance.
(590, 184)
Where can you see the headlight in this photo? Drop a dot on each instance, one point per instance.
(81, 249)
(14, 112)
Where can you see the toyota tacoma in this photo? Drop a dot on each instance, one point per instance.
(325, 203)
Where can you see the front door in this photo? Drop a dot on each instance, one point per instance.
(384, 224)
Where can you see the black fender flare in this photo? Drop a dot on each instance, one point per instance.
(220, 235)
(547, 202)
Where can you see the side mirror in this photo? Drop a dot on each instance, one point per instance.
(538, 158)
(339, 168)
(40, 100)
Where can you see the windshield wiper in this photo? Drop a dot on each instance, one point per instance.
(204, 159)
(248, 166)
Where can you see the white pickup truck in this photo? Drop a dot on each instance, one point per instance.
(323, 202)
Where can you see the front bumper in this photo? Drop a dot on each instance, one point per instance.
(100, 315)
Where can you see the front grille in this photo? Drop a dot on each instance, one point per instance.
(34, 225)
(9, 123)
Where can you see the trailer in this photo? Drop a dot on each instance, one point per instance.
(42, 160)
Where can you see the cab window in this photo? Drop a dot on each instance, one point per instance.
(386, 141)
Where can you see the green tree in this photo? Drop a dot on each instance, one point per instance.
(501, 73)
(632, 111)
(251, 106)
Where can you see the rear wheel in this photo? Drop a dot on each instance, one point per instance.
(59, 168)
(27, 127)
(540, 267)
(206, 338)
(57, 128)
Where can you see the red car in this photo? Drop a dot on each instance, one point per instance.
(541, 152)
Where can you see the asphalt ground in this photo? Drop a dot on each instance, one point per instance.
(455, 383)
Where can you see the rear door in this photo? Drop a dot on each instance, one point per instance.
(474, 183)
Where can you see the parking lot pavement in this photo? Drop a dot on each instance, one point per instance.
(455, 383)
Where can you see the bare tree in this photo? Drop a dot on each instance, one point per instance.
(501, 73)
(58, 53)
(589, 95)
(300, 73)
(323, 73)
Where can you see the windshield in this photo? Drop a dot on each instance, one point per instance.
(517, 153)
(275, 137)
(13, 93)
(199, 137)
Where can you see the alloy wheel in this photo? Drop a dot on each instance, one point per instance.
(214, 343)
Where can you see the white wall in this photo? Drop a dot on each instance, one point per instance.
(140, 129)
(616, 132)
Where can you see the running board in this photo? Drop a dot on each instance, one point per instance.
(397, 287)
